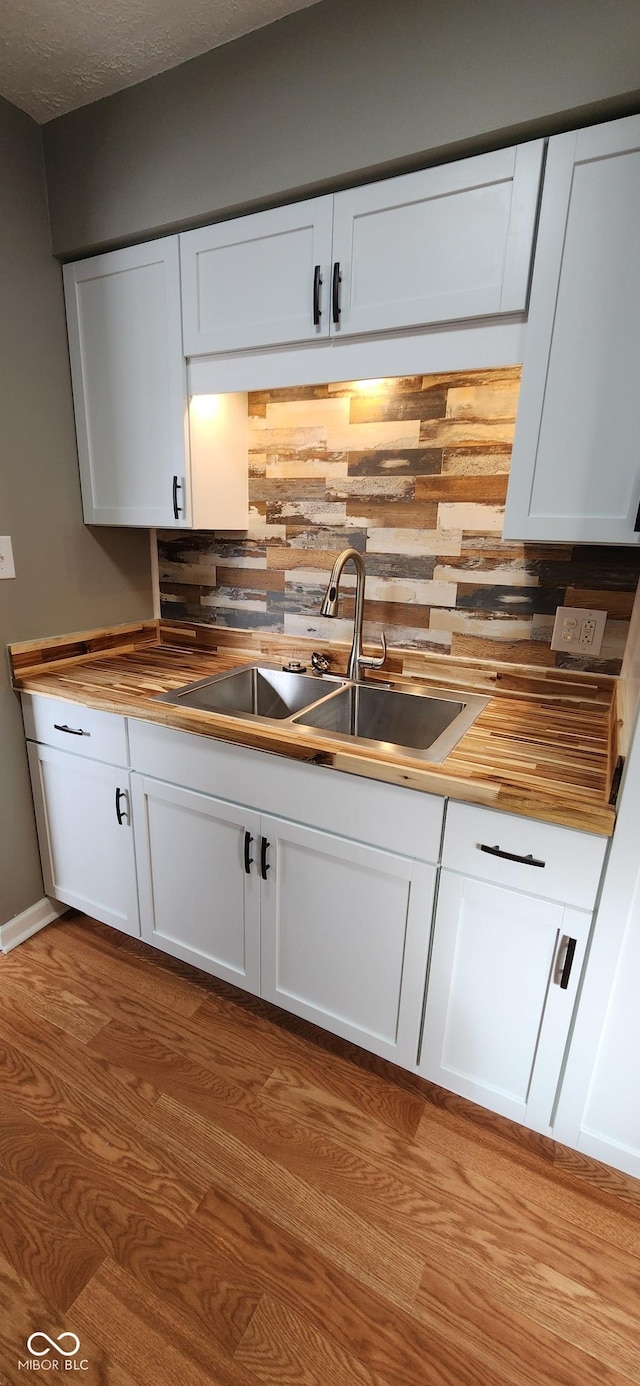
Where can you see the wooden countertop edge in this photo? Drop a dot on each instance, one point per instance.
(321, 750)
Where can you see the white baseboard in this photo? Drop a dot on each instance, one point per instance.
(30, 922)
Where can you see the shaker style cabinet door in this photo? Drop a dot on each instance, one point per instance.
(129, 385)
(440, 245)
(345, 936)
(259, 280)
(502, 985)
(198, 879)
(575, 469)
(85, 832)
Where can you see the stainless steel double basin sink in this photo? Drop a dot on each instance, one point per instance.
(383, 718)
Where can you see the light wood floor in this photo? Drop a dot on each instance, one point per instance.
(205, 1190)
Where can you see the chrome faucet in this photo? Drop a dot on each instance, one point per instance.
(357, 661)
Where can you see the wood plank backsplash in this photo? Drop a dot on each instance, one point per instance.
(413, 473)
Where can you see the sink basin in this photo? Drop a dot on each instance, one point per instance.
(253, 691)
(386, 719)
(424, 725)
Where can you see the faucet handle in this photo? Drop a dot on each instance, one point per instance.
(367, 662)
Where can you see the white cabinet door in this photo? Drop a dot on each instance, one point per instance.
(255, 281)
(83, 814)
(345, 936)
(497, 1013)
(575, 470)
(198, 900)
(436, 246)
(129, 385)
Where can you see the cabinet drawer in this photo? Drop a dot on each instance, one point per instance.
(81, 730)
(565, 865)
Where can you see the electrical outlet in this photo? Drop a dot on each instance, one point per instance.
(577, 631)
(7, 566)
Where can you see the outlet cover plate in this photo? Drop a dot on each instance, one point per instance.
(7, 566)
(578, 631)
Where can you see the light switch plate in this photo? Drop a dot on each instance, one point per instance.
(7, 566)
(578, 631)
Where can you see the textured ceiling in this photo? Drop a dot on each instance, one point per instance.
(56, 55)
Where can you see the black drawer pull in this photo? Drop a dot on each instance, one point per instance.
(247, 849)
(636, 527)
(177, 509)
(71, 731)
(121, 814)
(511, 856)
(335, 292)
(317, 285)
(264, 865)
(568, 963)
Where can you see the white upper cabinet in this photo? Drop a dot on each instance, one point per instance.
(441, 245)
(145, 458)
(575, 472)
(258, 281)
(129, 385)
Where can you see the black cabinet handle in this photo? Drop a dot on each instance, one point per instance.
(317, 285)
(264, 865)
(568, 963)
(121, 814)
(511, 856)
(177, 509)
(636, 527)
(335, 292)
(247, 849)
(71, 731)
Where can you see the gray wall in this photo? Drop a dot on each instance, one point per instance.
(343, 90)
(68, 577)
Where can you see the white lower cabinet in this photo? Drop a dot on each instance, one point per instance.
(345, 936)
(504, 972)
(198, 879)
(330, 929)
(85, 831)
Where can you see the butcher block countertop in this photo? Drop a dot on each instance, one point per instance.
(545, 746)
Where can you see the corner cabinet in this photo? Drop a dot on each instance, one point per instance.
(142, 460)
(575, 470)
(506, 962)
(442, 245)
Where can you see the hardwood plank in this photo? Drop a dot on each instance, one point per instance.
(366, 1252)
(183, 1039)
(24, 1311)
(94, 1125)
(100, 1205)
(30, 988)
(535, 1263)
(388, 1094)
(387, 1339)
(98, 978)
(150, 1337)
(42, 1246)
(279, 1346)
